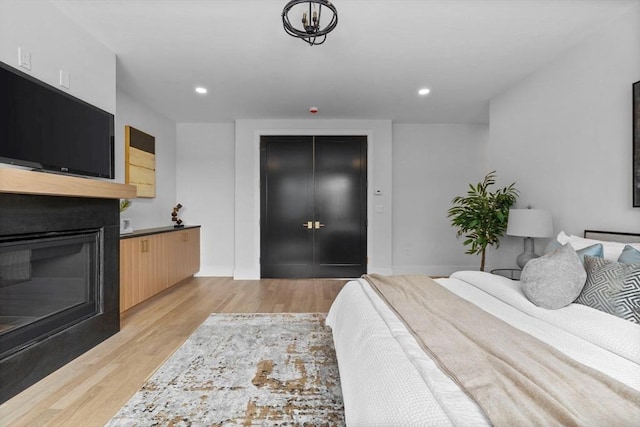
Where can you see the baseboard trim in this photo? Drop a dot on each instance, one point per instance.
(214, 271)
(247, 274)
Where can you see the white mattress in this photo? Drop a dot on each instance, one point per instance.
(388, 380)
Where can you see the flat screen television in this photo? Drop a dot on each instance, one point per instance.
(45, 128)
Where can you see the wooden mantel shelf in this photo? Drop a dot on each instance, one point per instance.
(21, 181)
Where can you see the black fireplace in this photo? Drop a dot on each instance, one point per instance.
(59, 285)
(47, 283)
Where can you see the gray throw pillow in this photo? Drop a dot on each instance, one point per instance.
(612, 287)
(554, 280)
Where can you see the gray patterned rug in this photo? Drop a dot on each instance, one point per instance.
(245, 370)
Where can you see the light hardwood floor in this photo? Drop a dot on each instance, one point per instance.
(92, 388)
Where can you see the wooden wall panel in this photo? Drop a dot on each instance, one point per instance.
(140, 161)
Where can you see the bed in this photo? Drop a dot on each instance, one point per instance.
(391, 377)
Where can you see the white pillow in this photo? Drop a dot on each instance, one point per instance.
(611, 250)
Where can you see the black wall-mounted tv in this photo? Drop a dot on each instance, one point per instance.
(45, 128)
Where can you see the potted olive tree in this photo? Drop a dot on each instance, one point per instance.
(482, 215)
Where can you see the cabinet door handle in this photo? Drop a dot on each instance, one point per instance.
(319, 225)
(308, 224)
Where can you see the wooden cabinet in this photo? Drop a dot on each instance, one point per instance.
(153, 260)
(183, 250)
(143, 269)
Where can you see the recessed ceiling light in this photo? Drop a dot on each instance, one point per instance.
(424, 91)
(201, 90)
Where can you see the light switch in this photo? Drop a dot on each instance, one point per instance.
(377, 192)
(24, 58)
(379, 209)
(64, 78)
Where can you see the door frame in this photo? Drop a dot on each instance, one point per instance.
(246, 211)
(363, 192)
(312, 132)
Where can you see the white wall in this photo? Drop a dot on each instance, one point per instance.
(565, 135)
(433, 163)
(247, 185)
(154, 212)
(55, 42)
(205, 180)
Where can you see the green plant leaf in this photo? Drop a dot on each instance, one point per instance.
(482, 215)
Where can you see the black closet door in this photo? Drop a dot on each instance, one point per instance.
(341, 206)
(286, 243)
(313, 206)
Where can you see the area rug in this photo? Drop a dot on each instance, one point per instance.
(245, 370)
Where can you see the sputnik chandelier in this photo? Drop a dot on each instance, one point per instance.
(311, 14)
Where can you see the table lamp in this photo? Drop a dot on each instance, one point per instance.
(529, 223)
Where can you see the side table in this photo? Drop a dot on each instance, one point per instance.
(510, 273)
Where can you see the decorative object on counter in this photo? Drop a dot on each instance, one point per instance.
(482, 215)
(174, 216)
(529, 223)
(124, 204)
(126, 225)
(140, 161)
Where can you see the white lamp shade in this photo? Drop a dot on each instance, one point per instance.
(530, 223)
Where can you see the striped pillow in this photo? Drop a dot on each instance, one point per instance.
(612, 287)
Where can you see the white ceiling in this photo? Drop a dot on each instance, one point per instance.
(371, 66)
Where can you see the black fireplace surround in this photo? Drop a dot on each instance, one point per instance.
(82, 236)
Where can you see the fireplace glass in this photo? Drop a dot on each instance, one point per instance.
(47, 283)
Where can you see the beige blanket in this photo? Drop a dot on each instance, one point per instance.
(515, 378)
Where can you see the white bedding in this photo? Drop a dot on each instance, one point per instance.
(388, 380)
